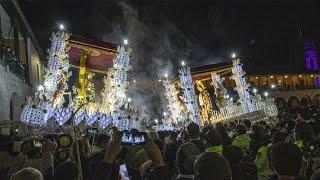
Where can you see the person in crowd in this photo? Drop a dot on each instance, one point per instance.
(257, 139)
(27, 174)
(261, 160)
(210, 165)
(234, 155)
(155, 138)
(248, 171)
(99, 150)
(170, 152)
(67, 171)
(194, 135)
(247, 125)
(286, 160)
(213, 141)
(33, 156)
(242, 139)
(303, 134)
(224, 135)
(140, 158)
(186, 155)
(108, 170)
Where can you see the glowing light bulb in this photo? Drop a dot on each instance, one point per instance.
(183, 63)
(273, 86)
(166, 75)
(255, 90)
(233, 55)
(61, 26)
(125, 41)
(40, 88)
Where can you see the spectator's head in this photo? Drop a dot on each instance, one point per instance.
(27, 174)
(210, 165)
(173, 136)
(140, 158)
(257, 130)
(286, 159)
(233, 154)
(185, 157)
(278, 136)
(249, 171)
(66, 171)
(213, 138)
(304, 131)
(29, 149)
(207, 128)
(240, 129)
(247, 124)
(219, 126)
(193, 130)
(102, 140)
(153, 135)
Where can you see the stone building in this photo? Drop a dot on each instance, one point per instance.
(21, 60)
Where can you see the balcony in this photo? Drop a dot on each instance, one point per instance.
(9, 60)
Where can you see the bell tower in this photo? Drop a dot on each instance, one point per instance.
(311, 55)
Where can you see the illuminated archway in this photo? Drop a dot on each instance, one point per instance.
(305, 100)
(316, 99)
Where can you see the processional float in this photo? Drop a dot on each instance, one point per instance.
(55, 101)
(247, 105)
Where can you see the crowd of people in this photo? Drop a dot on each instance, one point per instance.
(285, 148)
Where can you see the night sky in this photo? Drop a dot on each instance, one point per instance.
(207, 30)
(164, 32)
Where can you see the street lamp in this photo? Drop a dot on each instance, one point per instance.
(273, 86)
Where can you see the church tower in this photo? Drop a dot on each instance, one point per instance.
(311, 55)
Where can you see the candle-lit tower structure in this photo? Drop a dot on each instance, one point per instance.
(189, 95)
(242, 87)
(50, 95)
(173, 102)
(119, 83)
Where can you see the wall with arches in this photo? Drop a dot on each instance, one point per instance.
(13, 92)
(297, 98)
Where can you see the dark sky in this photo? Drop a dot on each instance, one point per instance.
(164, 32)
(264, 31)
